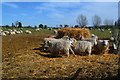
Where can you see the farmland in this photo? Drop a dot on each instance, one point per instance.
(23, 57)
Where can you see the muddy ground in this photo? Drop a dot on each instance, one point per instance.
(23, 58)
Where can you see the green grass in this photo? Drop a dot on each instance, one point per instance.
(43, 31)
(100, 34)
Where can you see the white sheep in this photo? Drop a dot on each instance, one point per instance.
(28, 32)
(55, 31)
(102, 30)
(38, 29)
(63, 46)
(17, 32)
(21, 31)
(93, 39)
(12, 32)
(2, 34)
(46, 40)
(82, 46)
(110, 31)
(102, 46)
(6, 32)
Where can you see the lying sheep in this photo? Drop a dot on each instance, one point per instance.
(37, 29)
(60, 47)
(102, 46)
(21, 31)
(2, 34)
(17, 32)
(12, 33)
(82, 46)
(28, 32)
(55, 31)
(102, 30)
(6, 32)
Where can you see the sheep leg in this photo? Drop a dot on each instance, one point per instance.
(72, 51)
(67, 52)
(89, 51)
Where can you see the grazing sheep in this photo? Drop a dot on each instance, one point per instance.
(28, 32)
(60, 47)
(2, 34)
(82, 46)
(102, 46)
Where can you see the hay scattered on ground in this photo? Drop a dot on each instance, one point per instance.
(23, 58)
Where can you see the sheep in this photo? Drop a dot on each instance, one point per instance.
(110, 31)
(6, 32)
(46, 40)
(55, 31)
(99, 29)
(21, 31)
(28, 32)
(37, 29)
(17, 32)
(2, 34)
(14, 30)
(49, 28)
(9, 30)
(102, 46)
(112, 39)
(102, 30)
(12, 33)
(1, 30)
(93, 39)
(60, 47)
(82, 46)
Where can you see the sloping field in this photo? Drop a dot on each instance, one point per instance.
(23, 58)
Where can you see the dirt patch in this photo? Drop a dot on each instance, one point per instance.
(23, 58)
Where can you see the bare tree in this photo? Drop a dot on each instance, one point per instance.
(108, 22)
(96, 20)
(82, 20)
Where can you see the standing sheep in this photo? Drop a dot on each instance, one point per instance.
(60, 47)
(82, 46)
(102, 46)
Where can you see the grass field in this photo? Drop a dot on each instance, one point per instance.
(100, 34)
(23, 57)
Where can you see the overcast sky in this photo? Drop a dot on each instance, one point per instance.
(56, 13)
